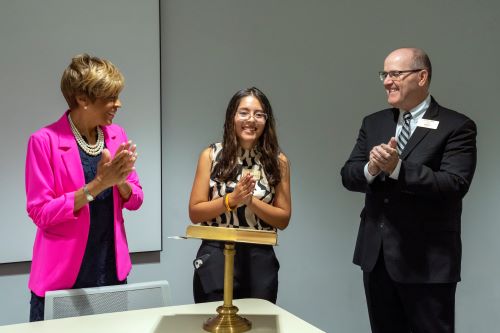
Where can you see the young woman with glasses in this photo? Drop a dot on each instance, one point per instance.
(242, 182)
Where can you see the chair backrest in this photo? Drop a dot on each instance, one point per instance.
(87, 301)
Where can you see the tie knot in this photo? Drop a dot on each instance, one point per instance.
(407, 116)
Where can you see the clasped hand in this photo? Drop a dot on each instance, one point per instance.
(383, 157)
(243, 192)
(114, 171)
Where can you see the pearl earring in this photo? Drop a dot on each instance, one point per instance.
(85, 107)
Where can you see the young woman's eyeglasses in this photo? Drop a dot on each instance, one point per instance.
(396, 75)
(259, 117)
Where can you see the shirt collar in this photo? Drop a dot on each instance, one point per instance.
(418, 111)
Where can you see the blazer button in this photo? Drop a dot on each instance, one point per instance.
(386, 200)
(381, 225)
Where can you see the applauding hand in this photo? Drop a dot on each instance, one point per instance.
(243, 192)
(114, 171)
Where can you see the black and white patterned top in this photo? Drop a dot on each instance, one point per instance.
(242, 216)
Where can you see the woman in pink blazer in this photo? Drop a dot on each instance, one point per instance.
(80, 174)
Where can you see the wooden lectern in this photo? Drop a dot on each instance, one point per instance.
(227, 320)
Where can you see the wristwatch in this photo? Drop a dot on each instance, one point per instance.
(88, 196)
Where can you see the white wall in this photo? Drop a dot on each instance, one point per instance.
(318, 62)
(38, 40)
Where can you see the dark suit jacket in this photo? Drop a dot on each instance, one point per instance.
(416, 218)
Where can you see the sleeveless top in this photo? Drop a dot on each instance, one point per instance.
(242, 216)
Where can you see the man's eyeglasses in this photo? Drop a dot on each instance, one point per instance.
(259, 117)
(396, 75)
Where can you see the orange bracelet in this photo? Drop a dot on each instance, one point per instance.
(226, 202)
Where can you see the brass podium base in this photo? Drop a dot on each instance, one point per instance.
(227, 321)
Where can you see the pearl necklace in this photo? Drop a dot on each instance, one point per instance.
(92, 150)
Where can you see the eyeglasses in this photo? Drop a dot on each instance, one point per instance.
(259, 117)
(396, 75)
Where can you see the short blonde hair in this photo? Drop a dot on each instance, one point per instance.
(92, 77)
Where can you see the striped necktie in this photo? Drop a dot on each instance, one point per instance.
(405, 133)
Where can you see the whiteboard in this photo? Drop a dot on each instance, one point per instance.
(37, 41)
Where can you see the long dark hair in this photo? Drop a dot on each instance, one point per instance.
(227, 168)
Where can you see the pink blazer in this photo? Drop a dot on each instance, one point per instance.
(53, 174)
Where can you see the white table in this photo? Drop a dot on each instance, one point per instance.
(265, 316)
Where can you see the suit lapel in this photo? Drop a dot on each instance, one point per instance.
(110, 138)
(69, 153)
(388, 128)
(420, 132)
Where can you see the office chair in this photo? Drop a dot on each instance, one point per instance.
(87, 301)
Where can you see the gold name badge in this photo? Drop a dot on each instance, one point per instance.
(254, 172)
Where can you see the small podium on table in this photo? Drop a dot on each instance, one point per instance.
(227, 320)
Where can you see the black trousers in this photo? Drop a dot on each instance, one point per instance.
(403, 308)
(255, 272)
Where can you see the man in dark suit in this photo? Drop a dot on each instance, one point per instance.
(415, 162)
